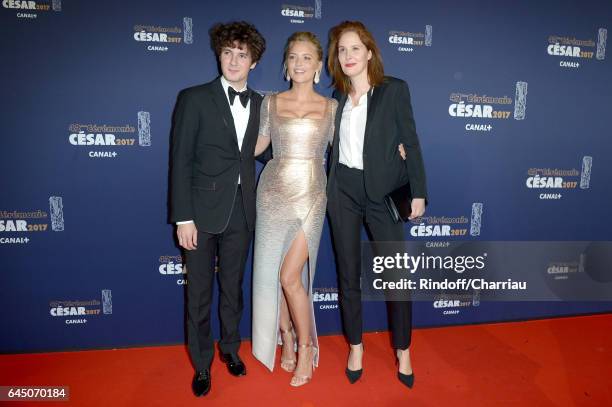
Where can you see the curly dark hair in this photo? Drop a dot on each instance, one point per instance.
(226, 35)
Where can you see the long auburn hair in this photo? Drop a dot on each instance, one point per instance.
(376, 71)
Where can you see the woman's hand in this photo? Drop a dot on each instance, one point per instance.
(418, 208)
(418, 204)
(402, 152)
(262, 143)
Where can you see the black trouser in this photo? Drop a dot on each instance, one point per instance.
(233, 246)
(351, 208)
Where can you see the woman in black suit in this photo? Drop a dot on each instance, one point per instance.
(373, 121)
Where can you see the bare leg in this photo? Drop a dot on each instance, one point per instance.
(403, 356)
(288, 357)
(298, 303)
(355, 357)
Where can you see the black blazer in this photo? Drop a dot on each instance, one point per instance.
(206, 160)
(389, 123)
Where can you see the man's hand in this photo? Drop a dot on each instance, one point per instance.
(418, 208)
(187, 236)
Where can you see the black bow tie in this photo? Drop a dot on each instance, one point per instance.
(244, 96)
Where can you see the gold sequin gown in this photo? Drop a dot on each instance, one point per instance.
(290, 196)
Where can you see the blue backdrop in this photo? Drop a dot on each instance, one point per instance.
(511, 101)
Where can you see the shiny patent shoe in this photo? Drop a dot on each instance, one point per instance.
(297, 381)
(234, 364)
(406, 379)
(354, 375)
(288, 365)
(201, 383)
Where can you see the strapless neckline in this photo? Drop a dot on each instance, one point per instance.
(275, 110)
(299, 118)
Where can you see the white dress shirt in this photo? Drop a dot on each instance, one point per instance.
(352, 132)
(240, 115)
(239, 112)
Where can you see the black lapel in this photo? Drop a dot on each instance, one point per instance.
(336, 143)
(223, 105)
(373, 97)
(253, 114)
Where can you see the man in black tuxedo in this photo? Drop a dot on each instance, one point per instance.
(213, 193)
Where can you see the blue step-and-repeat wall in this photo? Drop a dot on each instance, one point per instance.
(511, 100)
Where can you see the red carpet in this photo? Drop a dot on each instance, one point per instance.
(557, 362)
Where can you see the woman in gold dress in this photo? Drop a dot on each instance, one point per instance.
(291, 204)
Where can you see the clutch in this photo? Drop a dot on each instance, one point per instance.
(398, 203)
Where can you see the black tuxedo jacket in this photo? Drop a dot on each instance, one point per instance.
(389, 123)
(206, 160)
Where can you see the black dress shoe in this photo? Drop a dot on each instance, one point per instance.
(201, 383)
(234, 364)
(406, 379)
(353, 375)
